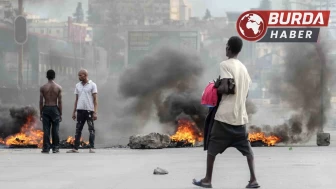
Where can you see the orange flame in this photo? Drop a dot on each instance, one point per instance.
(27, 136)
(187, 131)
(269, 140)
(71, 140)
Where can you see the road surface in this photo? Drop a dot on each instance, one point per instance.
(308, 167)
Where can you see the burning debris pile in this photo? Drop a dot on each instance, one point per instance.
(165, 84)
(20, 129)
(303, 85)
(262, 137)
(70, 142)
(289, 132)
(187, 135)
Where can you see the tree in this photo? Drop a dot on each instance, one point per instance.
(207, 15)
(265, 5)
(79, 14)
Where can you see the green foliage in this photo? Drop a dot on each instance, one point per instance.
(207, 15)
(79, 14)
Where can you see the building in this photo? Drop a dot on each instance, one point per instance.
(131, 12)
(42, 53)
(320, 5)
(180, 10)
(7, 12)
(156, 12)
(78, 32)
(48, 27)
(327, 5)
(141, 12)
(299, 5)
(314, 5)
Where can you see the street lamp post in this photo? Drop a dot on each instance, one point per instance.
(20, 52)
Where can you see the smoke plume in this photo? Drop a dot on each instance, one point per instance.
(166, 82)
(303, 89)
(13, 118)
(251, 109)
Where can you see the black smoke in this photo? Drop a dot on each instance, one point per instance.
(168, 81)
(303, 85)
(13, 118)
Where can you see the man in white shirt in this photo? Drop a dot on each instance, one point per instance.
(229, 128)
(86, 109)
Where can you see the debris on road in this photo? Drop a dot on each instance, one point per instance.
(150, 141)
(160, 171)
(323, 139)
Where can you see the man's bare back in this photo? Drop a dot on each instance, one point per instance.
(51, 95)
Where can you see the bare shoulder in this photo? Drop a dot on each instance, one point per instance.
(42, 88)
(58, 86)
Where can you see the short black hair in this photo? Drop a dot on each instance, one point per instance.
(51, 74)
(235, 44)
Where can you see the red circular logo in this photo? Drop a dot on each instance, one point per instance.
(251, 26)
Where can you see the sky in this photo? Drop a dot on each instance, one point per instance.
(61, 8)
(218, 7)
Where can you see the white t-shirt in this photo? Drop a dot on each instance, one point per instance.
(85, 98)
(232, 108)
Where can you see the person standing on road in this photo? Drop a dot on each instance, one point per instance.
(86, 109)
(229, 128)
(51, 112)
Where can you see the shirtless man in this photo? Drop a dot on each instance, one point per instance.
(51, 112)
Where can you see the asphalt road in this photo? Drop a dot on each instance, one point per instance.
(305, 166)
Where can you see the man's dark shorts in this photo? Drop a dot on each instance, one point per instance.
(224, 136)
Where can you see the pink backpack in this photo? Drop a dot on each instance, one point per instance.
(209, 96)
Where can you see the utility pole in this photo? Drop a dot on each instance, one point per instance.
(323, 65)
(20, 53)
